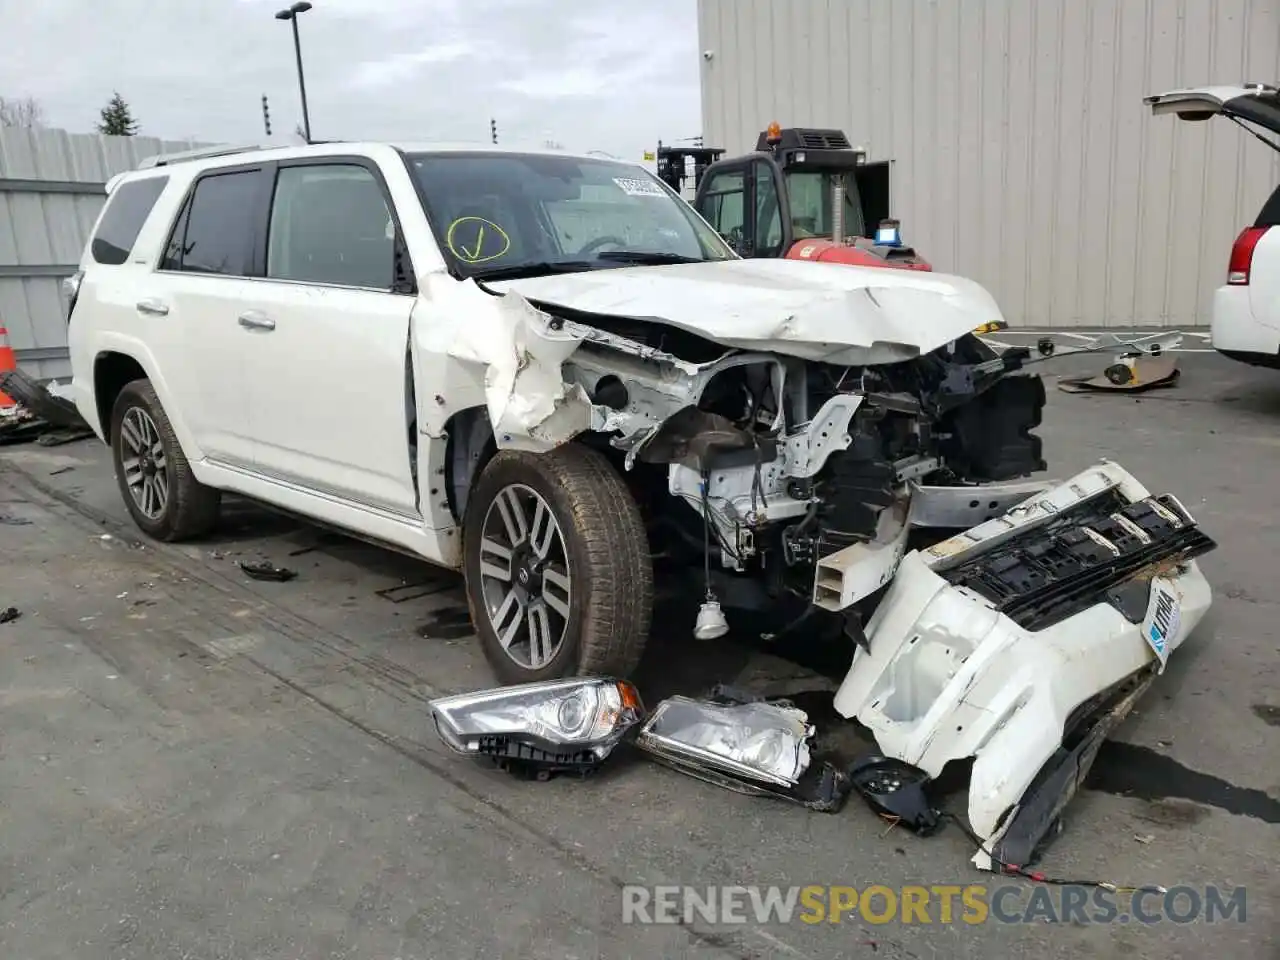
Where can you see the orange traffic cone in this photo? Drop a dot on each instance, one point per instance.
(7, 362)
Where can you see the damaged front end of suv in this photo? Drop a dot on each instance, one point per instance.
(882, 487)
(789, 473)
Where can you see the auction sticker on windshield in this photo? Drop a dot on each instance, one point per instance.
(1164, 617)
(638, 188)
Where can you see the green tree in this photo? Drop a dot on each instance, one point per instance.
(117, 121)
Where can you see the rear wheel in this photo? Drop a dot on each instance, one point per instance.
(164, 498)
(559, 578)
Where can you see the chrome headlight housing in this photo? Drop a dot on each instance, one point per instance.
(559, 724)
(763, 742)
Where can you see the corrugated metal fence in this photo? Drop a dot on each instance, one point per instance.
(51, 190)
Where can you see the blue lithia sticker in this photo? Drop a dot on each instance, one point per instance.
(1163, 620)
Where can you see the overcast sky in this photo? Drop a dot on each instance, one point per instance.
(607, 76)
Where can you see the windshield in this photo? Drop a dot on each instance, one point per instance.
(507, 214)
(810, 193)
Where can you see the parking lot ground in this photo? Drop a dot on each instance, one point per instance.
(195, 764)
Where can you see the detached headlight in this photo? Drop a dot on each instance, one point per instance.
(764, 742)
(560, 724)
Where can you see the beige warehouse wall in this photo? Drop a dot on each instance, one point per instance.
(1023, 155)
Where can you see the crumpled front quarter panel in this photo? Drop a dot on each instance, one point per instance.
(474, 349)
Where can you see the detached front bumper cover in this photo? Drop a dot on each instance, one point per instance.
(1021, 642)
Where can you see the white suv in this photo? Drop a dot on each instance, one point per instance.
(541, 369)
(1245, 321)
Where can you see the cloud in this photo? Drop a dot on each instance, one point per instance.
(401, 67)
(610, 77)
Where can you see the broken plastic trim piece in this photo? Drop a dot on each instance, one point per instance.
(541, 728)
(266, 570)
(896, 790)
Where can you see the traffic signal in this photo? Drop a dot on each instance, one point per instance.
(266, 115)
(493, 131)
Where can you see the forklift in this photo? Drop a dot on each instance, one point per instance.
(803, 194)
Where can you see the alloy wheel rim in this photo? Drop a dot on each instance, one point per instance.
(145, 466)
(524, 576)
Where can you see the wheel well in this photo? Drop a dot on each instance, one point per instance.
(111, 373)
(471, 445)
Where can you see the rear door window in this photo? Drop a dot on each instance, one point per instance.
(215, 232)
(127, 210)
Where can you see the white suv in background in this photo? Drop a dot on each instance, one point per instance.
(1245, 321)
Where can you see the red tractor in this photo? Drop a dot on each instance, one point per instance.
(802, 195)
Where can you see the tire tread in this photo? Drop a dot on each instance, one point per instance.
(616, 617)
(195, 507)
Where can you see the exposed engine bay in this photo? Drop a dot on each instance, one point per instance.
(793, 461)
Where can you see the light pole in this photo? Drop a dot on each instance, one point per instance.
(291, 14)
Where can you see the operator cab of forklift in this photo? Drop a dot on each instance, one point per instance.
(802, 194)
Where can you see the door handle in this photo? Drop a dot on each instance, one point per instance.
(155, 308)
(256, 320)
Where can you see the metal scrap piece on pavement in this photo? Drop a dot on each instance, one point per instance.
(1132, 374)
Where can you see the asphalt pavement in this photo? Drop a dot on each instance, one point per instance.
(196, 764)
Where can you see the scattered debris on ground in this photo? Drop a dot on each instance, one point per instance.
(1095, 565)
(266, 570)
(1133, 374)
(40, 413)
(1141, 364)
(1267, 713)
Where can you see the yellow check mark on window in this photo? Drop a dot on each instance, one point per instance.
(474, 253)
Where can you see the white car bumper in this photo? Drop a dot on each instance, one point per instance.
(950, 677)
(1235, 330)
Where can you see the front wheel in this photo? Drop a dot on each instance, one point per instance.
(559, 578)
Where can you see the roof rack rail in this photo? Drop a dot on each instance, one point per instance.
(204, 153)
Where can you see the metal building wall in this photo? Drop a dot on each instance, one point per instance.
(51, 190)
(1023, 154)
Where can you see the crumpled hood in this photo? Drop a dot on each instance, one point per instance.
(816, 311)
